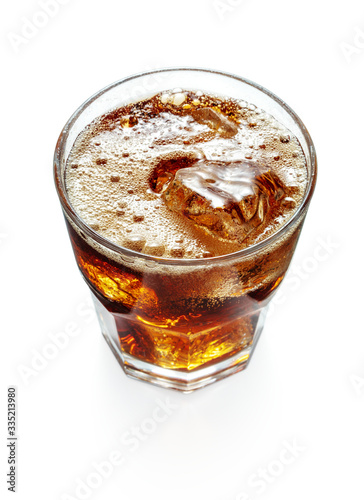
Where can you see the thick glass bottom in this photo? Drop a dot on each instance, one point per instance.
(181, 380)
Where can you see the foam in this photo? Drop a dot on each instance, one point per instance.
(109, 169)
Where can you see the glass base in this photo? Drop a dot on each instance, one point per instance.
(184, 381)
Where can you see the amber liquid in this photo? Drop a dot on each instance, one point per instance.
(189, 206)
(181, 331)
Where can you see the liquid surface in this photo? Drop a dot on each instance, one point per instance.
(186, 175)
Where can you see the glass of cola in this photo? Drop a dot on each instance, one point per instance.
(184, 193)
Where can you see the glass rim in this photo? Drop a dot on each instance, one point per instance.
(123, 251)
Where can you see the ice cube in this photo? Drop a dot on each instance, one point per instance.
(164, 171)
(226, 199)
(216, 121)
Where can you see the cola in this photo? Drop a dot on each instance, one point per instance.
(187, 210)
(187, 318)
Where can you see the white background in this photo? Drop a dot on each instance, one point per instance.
(305, 384)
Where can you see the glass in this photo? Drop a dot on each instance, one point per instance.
(181, 323)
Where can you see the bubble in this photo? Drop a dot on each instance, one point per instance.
(115, 178)
(94, 224)
(177, 251)
(164, 98)
(74, 165)
(138, 217)
(155, 248)
(285, 138)
(135, 242)
(179, 98)
(101, 161)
